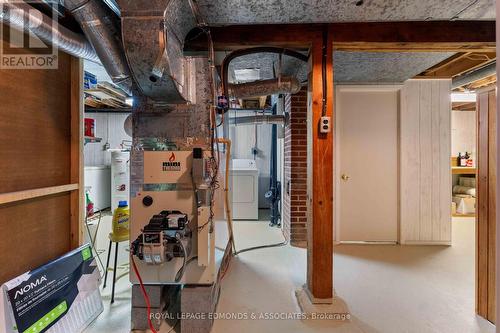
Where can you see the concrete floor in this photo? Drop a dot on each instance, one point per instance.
(387, 288)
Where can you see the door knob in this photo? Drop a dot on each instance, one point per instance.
(345, 177)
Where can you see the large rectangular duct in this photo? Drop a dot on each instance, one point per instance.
(153, 33)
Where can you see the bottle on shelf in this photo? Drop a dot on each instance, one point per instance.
(463, 161)
(459, 159)
(468, 160)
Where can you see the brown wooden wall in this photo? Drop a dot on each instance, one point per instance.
(486, 201)
(40, 164)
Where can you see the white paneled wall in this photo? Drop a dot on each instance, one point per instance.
(425, 170)
(109, 127)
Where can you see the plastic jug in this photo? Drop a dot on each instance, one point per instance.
(121, 219)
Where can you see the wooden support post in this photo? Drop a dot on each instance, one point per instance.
(76, 155)
(320, 177)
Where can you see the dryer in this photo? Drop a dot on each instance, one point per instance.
(245, 189)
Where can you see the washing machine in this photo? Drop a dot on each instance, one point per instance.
(245, 189)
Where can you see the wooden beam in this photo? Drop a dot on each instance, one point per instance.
(463, 106)
(320, 234)
(456, 36)
(76, 155)
(6, 198)
(415, 36)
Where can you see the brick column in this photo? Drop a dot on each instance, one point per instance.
(295, 175)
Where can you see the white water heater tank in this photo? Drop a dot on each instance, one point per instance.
(120, 177)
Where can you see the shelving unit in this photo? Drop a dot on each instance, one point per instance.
(457, 170)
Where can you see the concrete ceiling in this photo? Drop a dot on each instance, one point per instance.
(378, 67)
(265, 63)
(222, 12)
(349, 67)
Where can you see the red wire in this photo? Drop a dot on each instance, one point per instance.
(144, 293)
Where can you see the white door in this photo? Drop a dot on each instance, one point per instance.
(367, 163)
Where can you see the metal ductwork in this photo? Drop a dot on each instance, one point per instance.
(275, 119)
(263, 87)
(16, 14)
(101, 26)
(284, 85)
(474, 75)
(153, 34)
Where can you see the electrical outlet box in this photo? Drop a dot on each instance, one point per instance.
(325, 125)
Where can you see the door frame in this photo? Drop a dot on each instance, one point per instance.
(337, 193)
(486, 202)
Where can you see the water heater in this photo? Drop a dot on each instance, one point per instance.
(120, 177)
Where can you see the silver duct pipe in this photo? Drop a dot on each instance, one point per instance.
(474, 75)
(153, 35)
(276, 119)
(23, 17)
(101, 27)
(284, 85)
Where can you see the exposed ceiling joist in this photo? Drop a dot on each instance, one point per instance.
(459, 64)
(482, 83)
(463, 106)
(453, 36)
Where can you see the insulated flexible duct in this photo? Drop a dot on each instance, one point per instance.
(23, 17)
(474, 75)
(101, 26)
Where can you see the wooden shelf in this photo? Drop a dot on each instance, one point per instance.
(107, 110)
(463, 170)
(463, 215)
(91, 139)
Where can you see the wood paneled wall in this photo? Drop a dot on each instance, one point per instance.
(425, 134)
(41, 204)
(486, 204)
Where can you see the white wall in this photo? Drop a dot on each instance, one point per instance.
(243, 139)
(425, 187)
(109, 127)
(463, 132)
